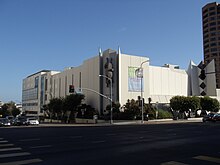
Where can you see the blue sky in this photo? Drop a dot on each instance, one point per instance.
(54, 34)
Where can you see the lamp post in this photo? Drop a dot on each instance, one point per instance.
(139, 74)
(111, 121)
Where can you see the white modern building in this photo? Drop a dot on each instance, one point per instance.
(108, 71)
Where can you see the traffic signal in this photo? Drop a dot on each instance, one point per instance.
(71, 89)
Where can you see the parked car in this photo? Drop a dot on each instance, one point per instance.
(4, 122)
(11, 119)
(208, 117)
(216, 117)
(20, 121)
(33, 121)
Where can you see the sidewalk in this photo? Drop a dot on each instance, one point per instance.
(132, 122)
(159, 121)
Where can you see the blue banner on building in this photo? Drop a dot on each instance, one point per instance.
(134, 83)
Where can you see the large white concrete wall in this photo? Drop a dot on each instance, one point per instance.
(126, 61)
(167, 82)
(90, 80)
(84, 76)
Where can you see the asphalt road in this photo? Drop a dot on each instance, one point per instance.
(165, 144)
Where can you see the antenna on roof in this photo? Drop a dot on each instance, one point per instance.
(119, 50)
(100, 52)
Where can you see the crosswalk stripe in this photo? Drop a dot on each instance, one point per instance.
(22, 162)
(173, 163)
(208, 158)
(3, 141)
(14, 154)
(9, 149)
(45, 146)
(6, 145)
(1, 138)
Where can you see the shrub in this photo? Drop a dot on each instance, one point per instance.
(162, 114)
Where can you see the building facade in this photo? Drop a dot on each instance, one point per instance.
(211, 36)
(111, 74)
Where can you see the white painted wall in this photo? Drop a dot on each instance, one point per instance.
(126, 61)
(89, 78)
(167, 82)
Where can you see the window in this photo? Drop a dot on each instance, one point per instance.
(211, 8)
(212, 24)
(218, 9)
(206, 46)
(36, 81)
(213, 29)
(213, 39)
(205, 42)
(46, 82)
(204, 22)
(214, 54)
(213, 44)
(213, 49)
(204, 27)
(205, 11)
(205, 36)
(205, 16)
(207, 51)
(212, 18)
(207, 56)
(212, 13)
(206, 31)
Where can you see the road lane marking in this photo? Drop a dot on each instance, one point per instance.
(208, 158)
(173, 163)
(101, 141)
(45, 146)
(27, 140)
(10, 149)
(3, 141)
(6, 145)
(14, 154)
(22, 162)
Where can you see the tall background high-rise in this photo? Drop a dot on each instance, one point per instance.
(211, 36)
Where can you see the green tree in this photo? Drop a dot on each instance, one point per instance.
(209, 104)
(115, 107)
(86, 111)
(71, 103)
(15, 111)
(132, 109)
(8, 108)
(192, 103)
(55, 107)
(4, 110)
(177, 103)
(183, 103)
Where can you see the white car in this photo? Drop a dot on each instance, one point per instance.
(33, 121)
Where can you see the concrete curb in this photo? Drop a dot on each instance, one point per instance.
(136, 122)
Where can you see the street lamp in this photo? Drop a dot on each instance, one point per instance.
(111, 121)
(139, 74)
